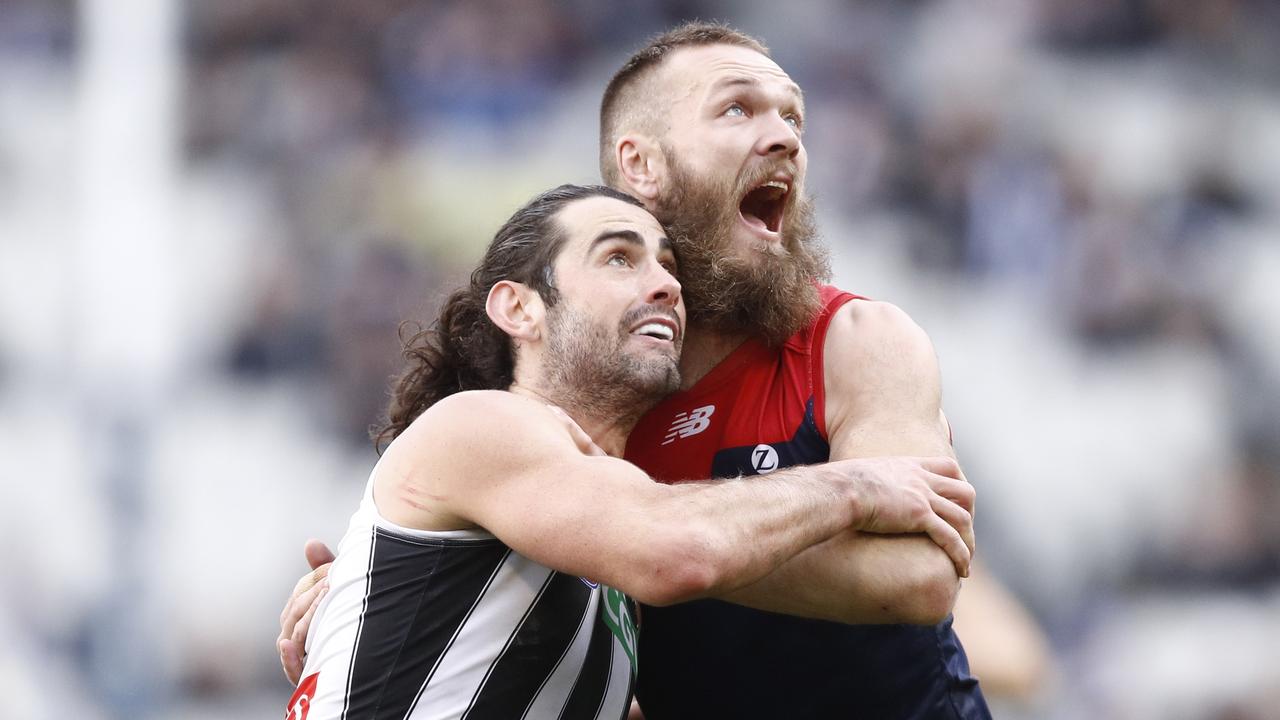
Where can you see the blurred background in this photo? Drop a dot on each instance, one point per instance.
(215, 214)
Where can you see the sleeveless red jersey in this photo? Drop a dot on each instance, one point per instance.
(759, 410)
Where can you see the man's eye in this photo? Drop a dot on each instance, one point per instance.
(794, 121)
(618, 260)
(735, 110)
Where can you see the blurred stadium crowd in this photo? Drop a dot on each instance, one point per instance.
(1078, 199)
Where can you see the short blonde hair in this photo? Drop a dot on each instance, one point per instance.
(628, 98)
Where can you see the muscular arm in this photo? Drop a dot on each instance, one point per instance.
(531, 484)
(883, 398)
(504, 463)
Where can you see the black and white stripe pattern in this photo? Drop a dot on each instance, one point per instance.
(425, 626)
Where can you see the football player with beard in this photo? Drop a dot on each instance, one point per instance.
(782, 370)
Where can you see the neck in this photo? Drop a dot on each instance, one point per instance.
(704, 348)
(607, 429)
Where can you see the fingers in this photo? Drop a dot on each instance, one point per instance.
(290, 654)
(951, 526)
(290, 660)
(954, 503)
(317, 554)
(313, 578)
(295, 618)
(303, 625)
(958, 518)
(295, 621)
(945, 466)
(957, 491)
(300, 603)
(305, 584)
(929, 495)
(305, 596)
(947, 537)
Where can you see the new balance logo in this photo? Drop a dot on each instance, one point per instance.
(690, 423)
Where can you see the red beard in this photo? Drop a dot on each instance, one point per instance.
(771, 296)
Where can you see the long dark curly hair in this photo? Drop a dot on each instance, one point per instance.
(463, 349)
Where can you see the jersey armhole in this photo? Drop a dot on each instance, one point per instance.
(817, 354)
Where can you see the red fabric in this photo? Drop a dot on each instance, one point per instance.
(300, 703)
(758, 393)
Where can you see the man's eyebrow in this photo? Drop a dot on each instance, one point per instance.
(631, 237)
(737, 80)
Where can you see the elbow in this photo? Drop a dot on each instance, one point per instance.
(672, 586)
(931, 598)
(686, 572)
(921, 590)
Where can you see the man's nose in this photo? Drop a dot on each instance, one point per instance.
(665, 288)
(779, 138)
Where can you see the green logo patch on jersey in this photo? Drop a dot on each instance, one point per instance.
(617, 615)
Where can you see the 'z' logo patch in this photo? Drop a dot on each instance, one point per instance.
(690, 423)
(764, 459)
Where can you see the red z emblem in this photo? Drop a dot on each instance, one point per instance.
(300, 703)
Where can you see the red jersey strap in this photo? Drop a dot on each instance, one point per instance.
(832, 300)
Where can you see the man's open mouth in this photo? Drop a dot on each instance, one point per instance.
(658, 328)
(763, 207)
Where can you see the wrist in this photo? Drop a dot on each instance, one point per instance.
(851, 483)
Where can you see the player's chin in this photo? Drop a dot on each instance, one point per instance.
(658, 376)
(646, 349)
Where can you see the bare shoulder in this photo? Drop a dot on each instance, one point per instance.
(460, 446)
(475, 426)
(869, 339)
(878, 363)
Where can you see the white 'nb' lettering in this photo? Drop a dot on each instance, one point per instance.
(690, 423)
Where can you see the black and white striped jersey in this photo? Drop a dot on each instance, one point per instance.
(424, 625)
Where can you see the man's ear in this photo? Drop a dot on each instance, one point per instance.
(516, 309)
(641, 165)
